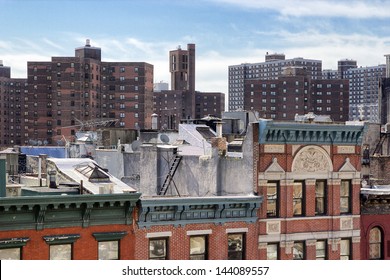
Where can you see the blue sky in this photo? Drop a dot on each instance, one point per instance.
(226, 32)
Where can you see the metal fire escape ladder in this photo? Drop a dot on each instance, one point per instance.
(378, 148)
(171, 173)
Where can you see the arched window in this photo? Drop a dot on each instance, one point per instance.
(375, 244)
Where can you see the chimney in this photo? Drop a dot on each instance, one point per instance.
(219, 129)
(1, 62)
(3, 173)
(88, 43)
(154, 121)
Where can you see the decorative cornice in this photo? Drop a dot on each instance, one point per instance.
(271, 132)
(108, 236)
(61, 239)
(39, 212)
(217, 210)
(13, 242)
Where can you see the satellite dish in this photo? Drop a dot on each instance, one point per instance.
(135, 145)
(164, 138)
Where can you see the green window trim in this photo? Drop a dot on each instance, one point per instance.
(109, 236)
(61, 239)
(13, 242)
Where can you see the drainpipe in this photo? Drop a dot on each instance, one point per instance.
(3, 176)
(40, 171)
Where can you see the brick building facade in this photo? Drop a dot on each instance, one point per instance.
(295, 92)
(375, 228)
(309, 176)
(91, 227)
(68, 93)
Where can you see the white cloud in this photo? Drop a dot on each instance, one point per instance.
(325, 8)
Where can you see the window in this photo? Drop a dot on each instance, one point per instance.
(236, 246)
(272, 200)
(108, 250)
(272, 252)
(198, 247)
(11, 249)
(345, 192)
(10, 253)
(61, 246)
(61, 252)
(299, 251)
(375, 244)
(321, 250)
(345, 249)
(158, 249)
(320, 203)
(108, 244)
(298, 199)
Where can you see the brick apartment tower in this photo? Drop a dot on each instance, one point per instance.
(13, 104)
(69, 91)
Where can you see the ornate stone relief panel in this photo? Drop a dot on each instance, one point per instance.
(312, 159)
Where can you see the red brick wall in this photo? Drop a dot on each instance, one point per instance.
(179, 241)
(84, 248)
(367, 223)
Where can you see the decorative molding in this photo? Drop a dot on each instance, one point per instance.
(236, 230)
(356, 239)
(13, 242)
(108, 236)
(199, 232)
(311, 242)
(272, 132)
(274, 149)
(312, 159)
(334, 242)
(159, 234)
(345, 149)
(61, 239)
(39, 212)
(347, 166)
(346, 223)
(262, 246)
(182, 211)
(274, 167)
(273, 227)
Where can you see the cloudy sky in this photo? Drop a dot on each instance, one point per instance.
(226, 32)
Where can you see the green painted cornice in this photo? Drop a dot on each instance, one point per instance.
(271, 132)
(39, 212)
(61, 239)
(13, 242)
(182, 211)
(108, 236)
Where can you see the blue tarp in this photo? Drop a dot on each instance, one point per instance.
(55, 152)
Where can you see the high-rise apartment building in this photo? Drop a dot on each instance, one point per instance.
(13, 106)
(271, 69)
(294, 92)
(363, 88)
(364, 92)
(66, 94)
